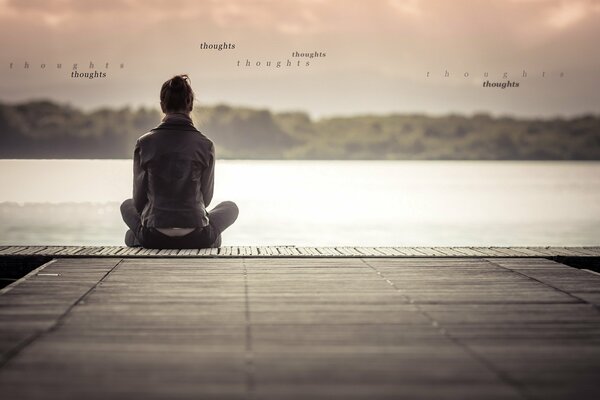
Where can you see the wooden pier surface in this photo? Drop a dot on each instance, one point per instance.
(300, 251)
(353, 327)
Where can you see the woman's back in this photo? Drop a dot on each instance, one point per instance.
(173, 181)
(174, 174)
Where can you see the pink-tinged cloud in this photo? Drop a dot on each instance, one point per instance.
(378, 50)
(310, 16)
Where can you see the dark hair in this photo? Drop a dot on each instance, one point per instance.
(176, 95)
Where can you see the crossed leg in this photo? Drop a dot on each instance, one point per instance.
(222, 216)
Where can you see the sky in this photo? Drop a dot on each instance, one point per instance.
(381, 56)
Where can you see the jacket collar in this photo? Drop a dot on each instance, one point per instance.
(176, 121)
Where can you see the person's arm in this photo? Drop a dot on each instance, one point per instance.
(140, 195)
(208, 178)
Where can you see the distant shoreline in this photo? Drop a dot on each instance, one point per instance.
(48, 130)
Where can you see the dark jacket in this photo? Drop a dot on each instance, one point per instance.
(173, 174)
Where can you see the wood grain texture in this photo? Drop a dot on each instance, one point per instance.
(301, 251)
(325, 327)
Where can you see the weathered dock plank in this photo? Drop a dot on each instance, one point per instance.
(330, 327)
(593, 250)
(302, 251)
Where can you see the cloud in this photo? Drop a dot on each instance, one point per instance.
(407, 7)
(565, 14)
(297, 17)
(458, 28)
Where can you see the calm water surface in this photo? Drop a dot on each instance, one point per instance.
(370, 203)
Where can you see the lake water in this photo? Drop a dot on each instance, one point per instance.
(323, 203)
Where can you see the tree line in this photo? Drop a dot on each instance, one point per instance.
(46, 129)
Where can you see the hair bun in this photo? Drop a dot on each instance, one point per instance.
(176, 94)
(177, 82)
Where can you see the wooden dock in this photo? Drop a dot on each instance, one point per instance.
(299, 251)
(435, 323)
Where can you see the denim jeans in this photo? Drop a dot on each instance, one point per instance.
(221, 217)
